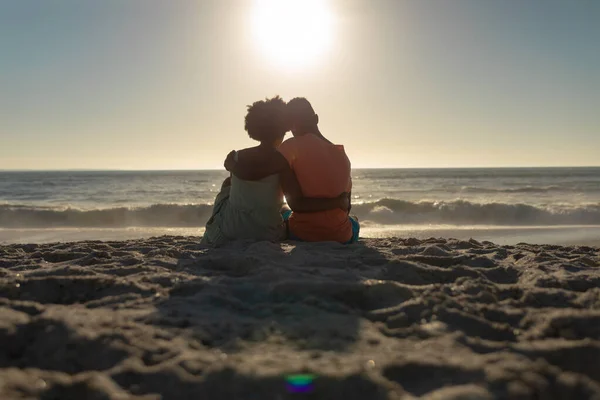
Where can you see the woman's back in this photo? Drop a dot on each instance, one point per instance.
(254, 210)
(247, 210)
(264, 195)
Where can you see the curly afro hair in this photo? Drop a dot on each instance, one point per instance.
(266, 120)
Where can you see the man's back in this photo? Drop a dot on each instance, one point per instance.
(323, 170)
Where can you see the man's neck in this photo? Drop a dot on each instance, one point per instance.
(315, 131)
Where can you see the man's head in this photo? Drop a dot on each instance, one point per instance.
(302, 119)
(266, 121)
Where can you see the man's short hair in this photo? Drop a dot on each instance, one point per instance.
(300, 111)
(266, 120)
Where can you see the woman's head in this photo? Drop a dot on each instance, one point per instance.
(266, 120)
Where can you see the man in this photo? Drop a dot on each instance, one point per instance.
(322, 170)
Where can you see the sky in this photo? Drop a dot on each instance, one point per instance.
(153, 84)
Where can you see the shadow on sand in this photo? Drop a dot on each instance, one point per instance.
(305, 297)
(310, 296)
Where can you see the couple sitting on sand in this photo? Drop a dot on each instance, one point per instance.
(312, 173)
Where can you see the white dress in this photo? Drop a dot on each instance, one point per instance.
(247, 210)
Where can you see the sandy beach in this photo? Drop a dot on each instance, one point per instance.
(164, 318)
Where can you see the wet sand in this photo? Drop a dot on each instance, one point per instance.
(387, 318)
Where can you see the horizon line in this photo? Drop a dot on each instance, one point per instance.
(221, 169)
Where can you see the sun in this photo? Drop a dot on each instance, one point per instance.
(292, 34)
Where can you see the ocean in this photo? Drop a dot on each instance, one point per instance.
(505, 205)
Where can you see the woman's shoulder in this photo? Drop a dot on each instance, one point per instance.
(258, 151)
(258, 154)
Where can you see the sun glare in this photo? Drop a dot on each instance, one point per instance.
(292, 33)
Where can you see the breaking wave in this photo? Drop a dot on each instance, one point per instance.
(461, 212)
(158, 215)
(385, 212)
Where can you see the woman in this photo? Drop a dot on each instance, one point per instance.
(247, 209)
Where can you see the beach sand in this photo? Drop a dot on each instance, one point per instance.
(386, 318)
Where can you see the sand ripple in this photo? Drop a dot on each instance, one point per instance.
(383, 319)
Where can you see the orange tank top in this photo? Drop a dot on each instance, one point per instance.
(323, 170)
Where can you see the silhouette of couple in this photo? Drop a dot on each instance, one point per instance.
(312, 173)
